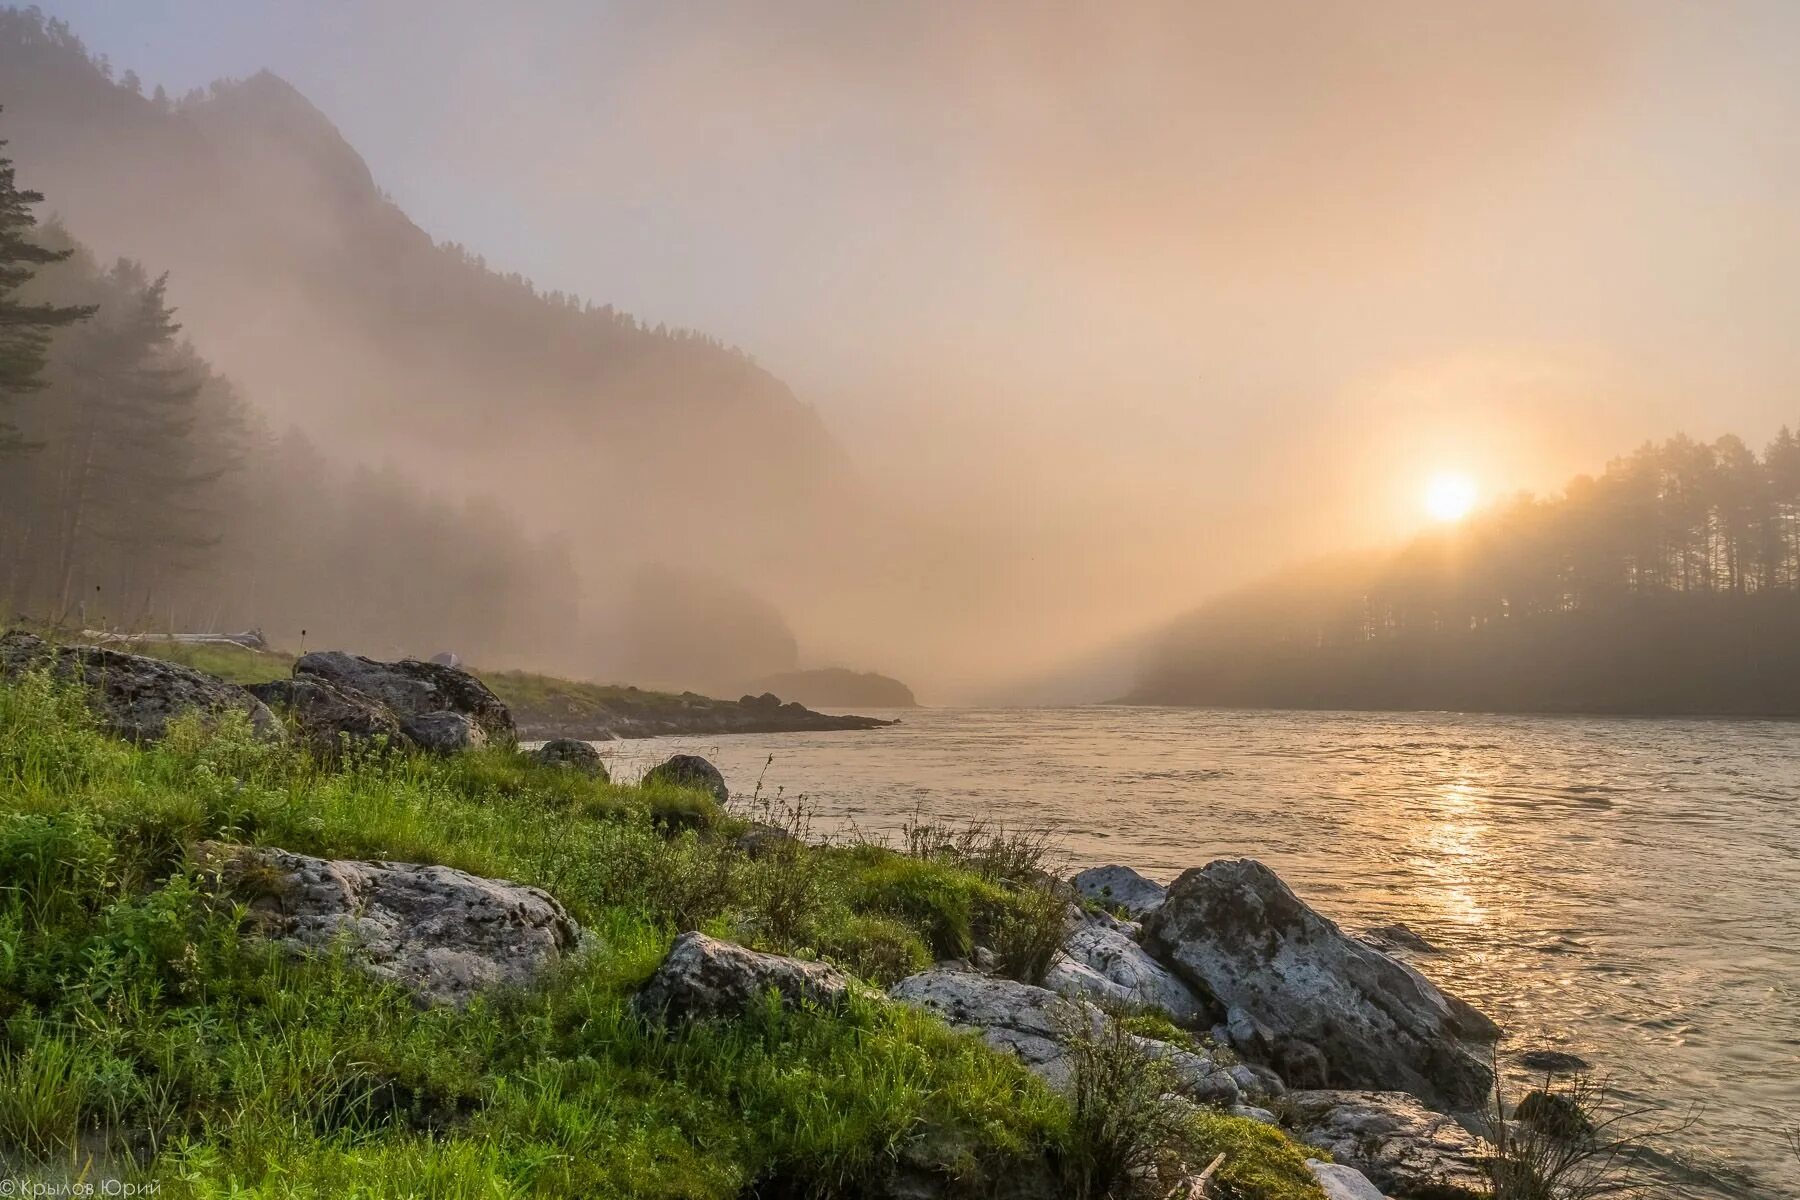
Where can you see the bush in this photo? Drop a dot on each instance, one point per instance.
(1130, 1137)
(1027, 932)
(1122, 1127)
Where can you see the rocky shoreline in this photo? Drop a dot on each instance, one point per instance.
(1245, 998)
(687, 714)
(1282, 1018)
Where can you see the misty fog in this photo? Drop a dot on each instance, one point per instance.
(1014, 340)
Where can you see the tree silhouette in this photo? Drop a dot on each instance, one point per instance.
(25, 327)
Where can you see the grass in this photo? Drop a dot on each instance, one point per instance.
(143, 1035)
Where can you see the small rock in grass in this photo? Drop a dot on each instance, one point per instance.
(690, 771)
(705, 977)
(572, 755)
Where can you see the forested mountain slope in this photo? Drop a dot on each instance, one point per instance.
(1670, 583)
(324, 302)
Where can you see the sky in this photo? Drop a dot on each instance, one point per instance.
(1156, 295)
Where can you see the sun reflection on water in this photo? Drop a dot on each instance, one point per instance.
(1450, 850)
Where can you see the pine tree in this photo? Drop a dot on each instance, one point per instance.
(24, 327)
(132, 465)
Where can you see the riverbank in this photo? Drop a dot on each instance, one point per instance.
(511, 974)
(545, 707)
(217, 976)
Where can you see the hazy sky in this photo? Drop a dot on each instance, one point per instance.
(1154, 294)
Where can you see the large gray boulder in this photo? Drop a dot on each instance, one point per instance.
(328, 718)
(443, 934)
(689, 771)
(1119, 887)
(705, 977)
(1101, 961)
(1234, 930)
(1405, 1149)
(1036, 1026)
(414, 689)
(133, 696)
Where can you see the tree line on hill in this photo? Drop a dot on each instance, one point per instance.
(1669, 583)
(138, 490)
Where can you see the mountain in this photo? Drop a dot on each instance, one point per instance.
(335, 312)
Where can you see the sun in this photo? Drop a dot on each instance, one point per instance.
(1450, 495)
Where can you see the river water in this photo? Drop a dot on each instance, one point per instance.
(1624, 889)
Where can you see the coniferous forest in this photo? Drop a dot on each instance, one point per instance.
(138, 490)
(1668, 583)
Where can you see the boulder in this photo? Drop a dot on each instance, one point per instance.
(1339, 1182)
(1031, 1023)
(443, 732)
(1101, 961)
(704, 977)
(1554, 1115)
(1197, 1076)
(443, 934)
(573, 755)
(1336, 1007)
(1404, 1149)
(1119, 887)
(689, 771)
(1552, 1062)
(1257, 1081)
(330, 718)
(415, 689)
(133, 696)
(1035, 1025)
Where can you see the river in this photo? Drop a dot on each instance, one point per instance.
(1624, 889)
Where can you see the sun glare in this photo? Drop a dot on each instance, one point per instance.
(1450, 496)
